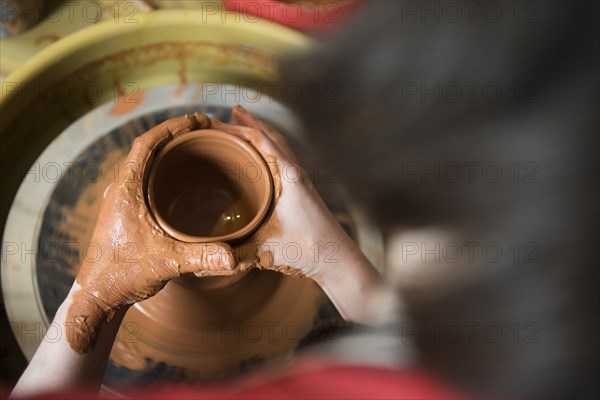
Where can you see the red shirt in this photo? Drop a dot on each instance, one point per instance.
(325, 381)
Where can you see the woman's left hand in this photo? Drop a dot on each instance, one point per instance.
(130, 257)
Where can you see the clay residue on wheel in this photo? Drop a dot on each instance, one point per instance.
(222, 331)
(127, 102)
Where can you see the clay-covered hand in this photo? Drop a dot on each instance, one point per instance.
(130, 258)
(301, 237)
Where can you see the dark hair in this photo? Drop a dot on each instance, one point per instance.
(416, 98)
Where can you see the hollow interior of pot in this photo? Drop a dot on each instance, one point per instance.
(208, 184)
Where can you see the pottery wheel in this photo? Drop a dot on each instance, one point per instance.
(195, 329)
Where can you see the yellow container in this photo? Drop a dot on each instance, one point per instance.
(78, 73)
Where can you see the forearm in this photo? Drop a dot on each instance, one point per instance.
(56, 366)
(351, 283)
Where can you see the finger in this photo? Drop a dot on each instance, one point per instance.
(132, 169)
(241, 116)
(202, 273)
(83, 321)
(204, 259)
(246, 256)
(247, 134)
(107, 190)
(146, 143)
(257, 138)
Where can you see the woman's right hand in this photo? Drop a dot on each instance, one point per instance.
(300, 237)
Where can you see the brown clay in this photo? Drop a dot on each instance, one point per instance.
(209, 328)
(208, 185)
(132, 257)
(206, 327)
(49, 37)
(249, 254)
(127, 102)
(202, 326)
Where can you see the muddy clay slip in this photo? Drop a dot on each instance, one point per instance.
(209, 186)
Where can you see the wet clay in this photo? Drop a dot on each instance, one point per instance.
(50, 38)
(252, 253)
(127, 102)
(207, 186)
(203, 333)
(236, 321)
(201, 200)
(195, 329)
(132, 258)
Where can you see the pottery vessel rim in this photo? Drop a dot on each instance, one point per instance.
(217, 135)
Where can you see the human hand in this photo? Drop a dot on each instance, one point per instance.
(132, 257)
(300, 237)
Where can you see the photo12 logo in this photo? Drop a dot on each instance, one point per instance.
(450, 12)
(70, 11)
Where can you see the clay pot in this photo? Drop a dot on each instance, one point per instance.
(207, 186)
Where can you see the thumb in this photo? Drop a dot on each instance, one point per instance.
(83, 321)
(204, 259)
